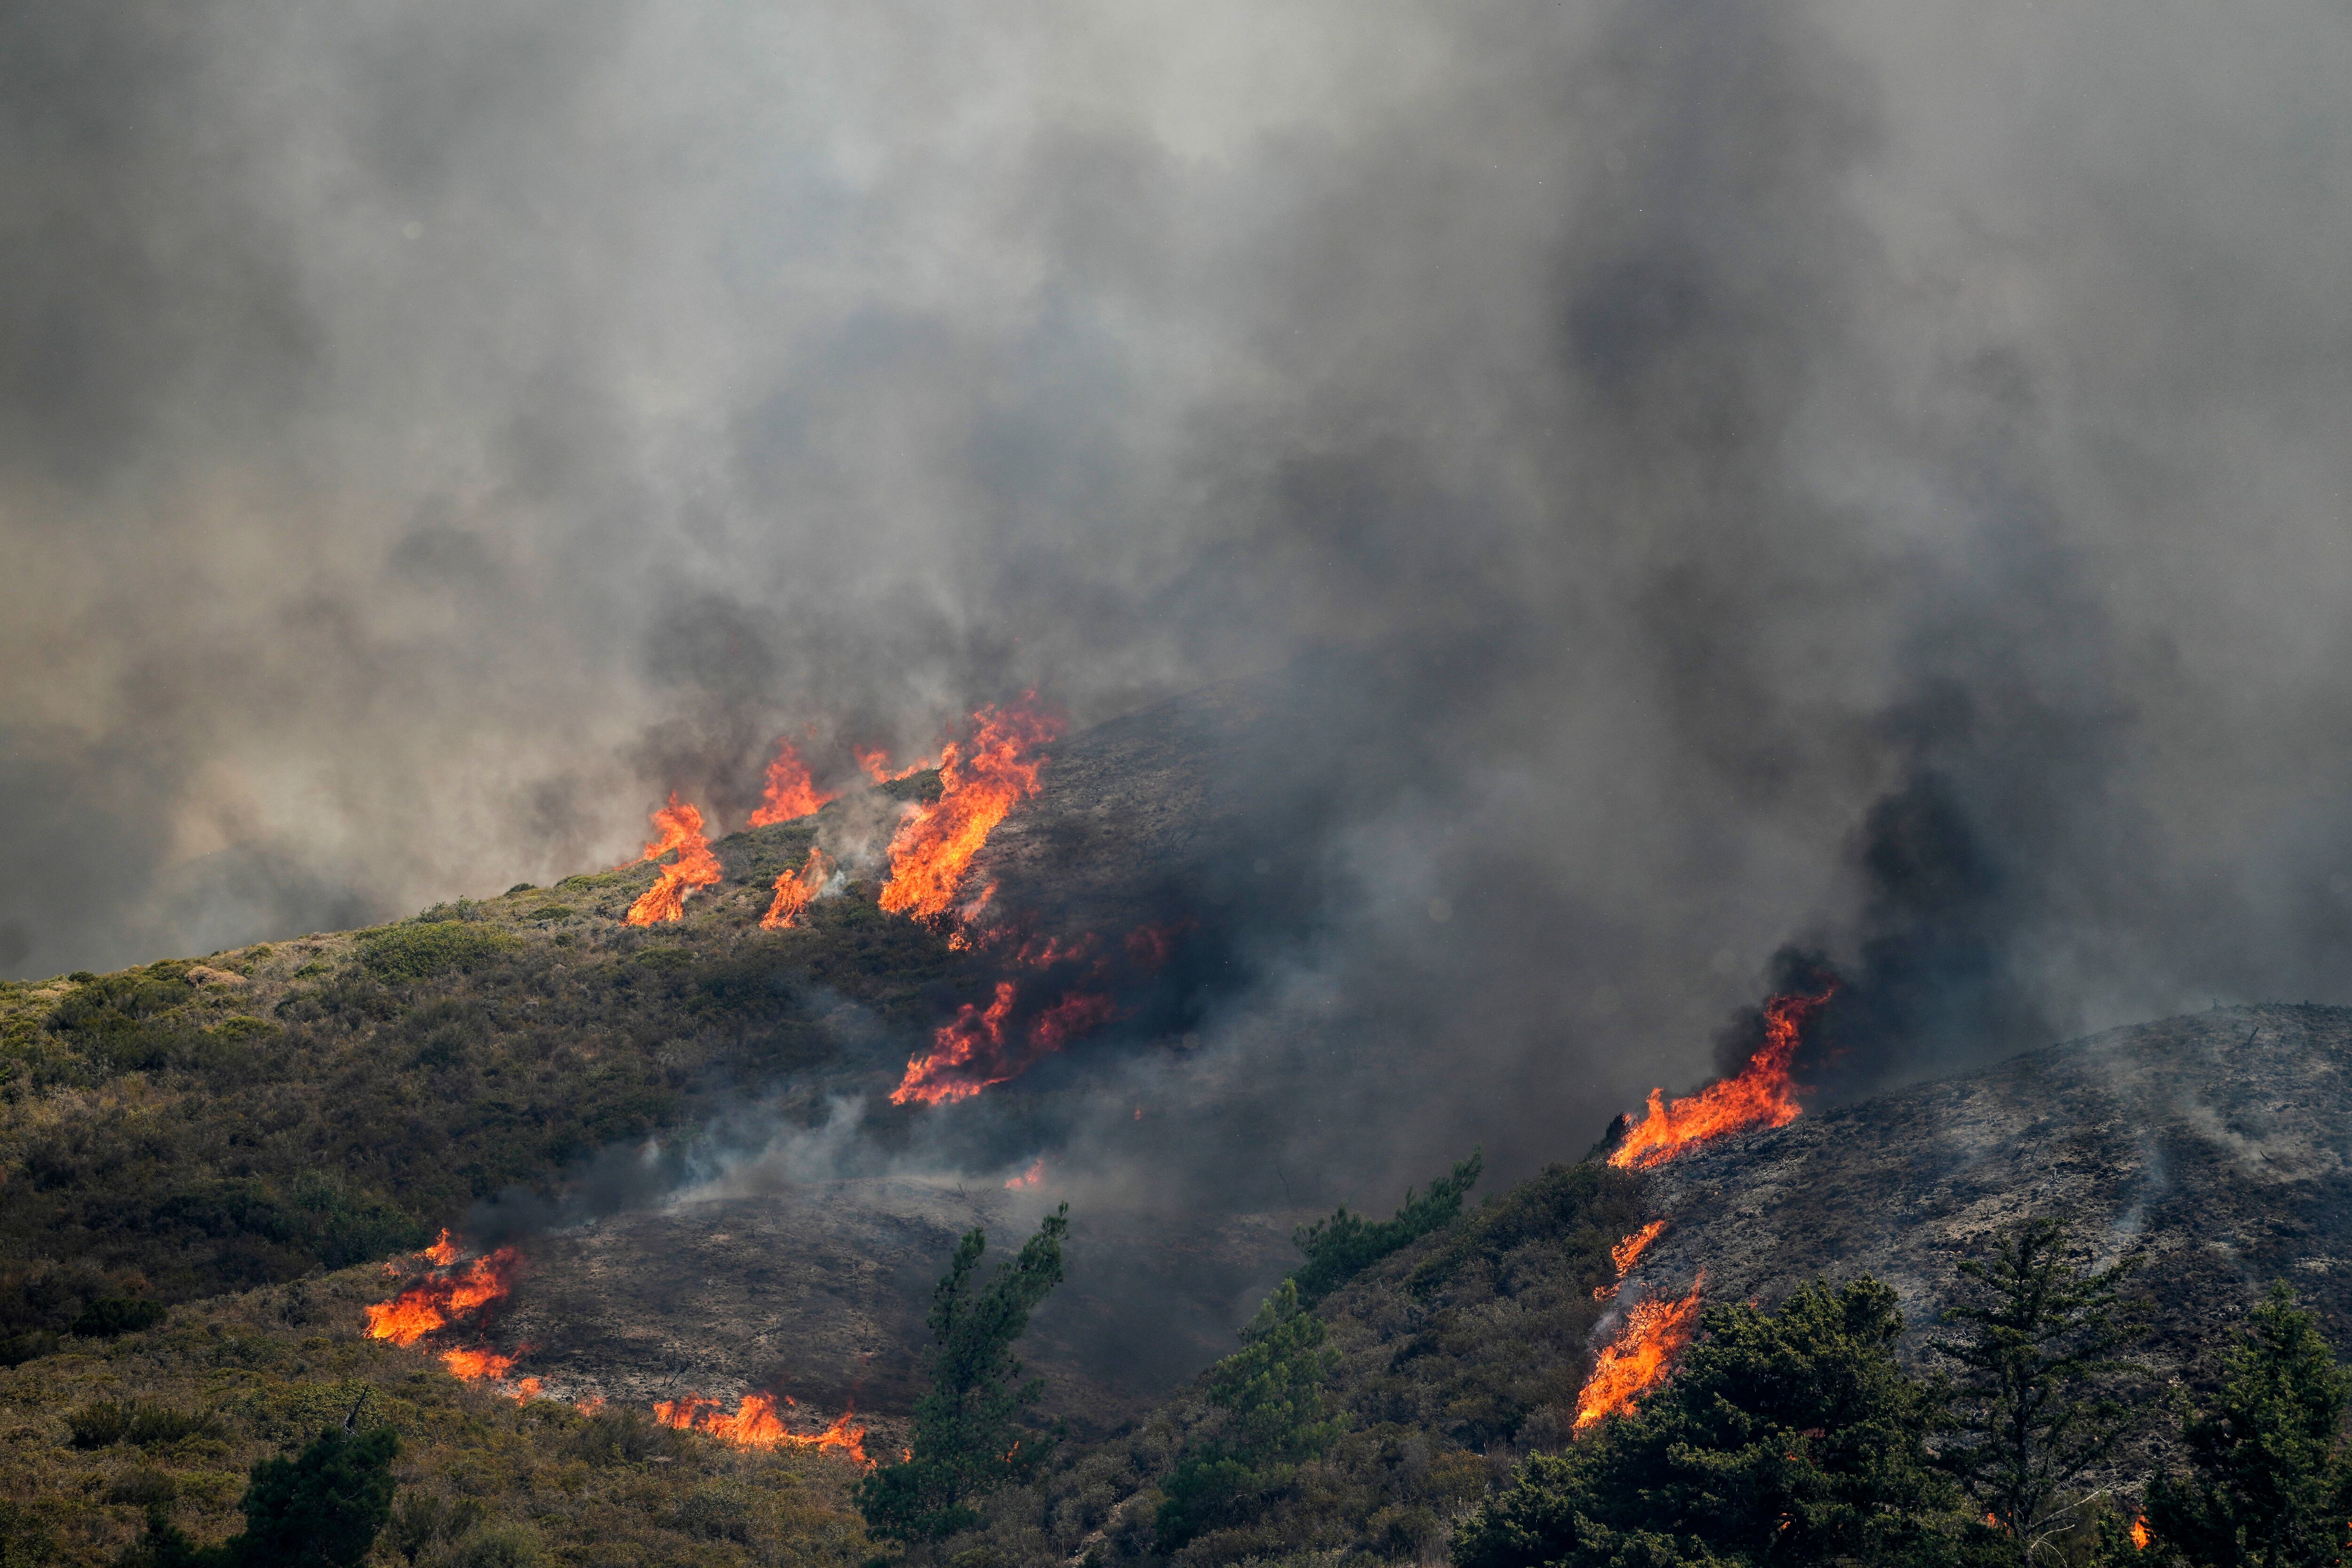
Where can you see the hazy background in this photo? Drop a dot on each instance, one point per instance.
(1861, 475)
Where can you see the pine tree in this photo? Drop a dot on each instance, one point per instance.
(1272, 1393)
(1794, 1437)
(969, 1438)
(2269, 1483)
(321, 1507)
(2035, 1404)
(1344, 1245)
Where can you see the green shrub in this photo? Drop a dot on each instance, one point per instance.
(551, 912)
(108, 1316)
(1345, 1245)
(101, 1425)
(424, 949)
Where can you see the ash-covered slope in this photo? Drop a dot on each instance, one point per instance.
(2218, 1145)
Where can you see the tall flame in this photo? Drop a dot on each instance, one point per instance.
(695, 866)
(791, 794)
(1760, 1094)
(1639, 1358)
(796, 889)
(979, 1047)
(755, 1425)
(979, 781)
(442, 1298)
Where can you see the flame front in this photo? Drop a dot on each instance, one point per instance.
(1761, 1094)
(979, 781)
(791, 793)
(978, 1047)
(440, 1299)
(755, 1425)
(1639, 1358)
(1626, 1253)
(875, 763)
(441, 1253)
(796, 889)
(695, 866)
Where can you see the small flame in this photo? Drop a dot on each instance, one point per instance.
(1639, 1358)
(755, 1425)
(979, 781)
(791, 793)
(978, 1047)
(875, 762)
(1760, 1094)
(473, 1366)
(795, 890)
(1030, 1177)
(441, 1253)
(1626, 1253)
(695, 866)
(2140, 1537)
(441, 1299)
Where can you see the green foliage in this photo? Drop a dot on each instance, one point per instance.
(1788, 1438)
(2034, 1404)
(111, 1315)
(1276, 1416)
(969, 1439)
(2270, 1484)
(1345, 1245)
(551, 912)
(423, 949)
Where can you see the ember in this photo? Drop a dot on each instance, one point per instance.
(755, 1425)
(1761, 1094)
(1639, 1358)
(979, 781)
(695, 866)
(791, 793)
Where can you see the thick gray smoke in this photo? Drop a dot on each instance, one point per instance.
(1869, 478)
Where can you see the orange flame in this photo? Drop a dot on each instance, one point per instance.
(443, 1252)
(440, 1299)
(1639, 1358)
(1626, 1253)
(473, 1366)
(979, 1048)
(695, 866)
(1030, 1177)
(1760, 1094)
(755, 1425)
(2140, 1537)
(979, 781)
(796, 889)
(875, 762)
(792, 794)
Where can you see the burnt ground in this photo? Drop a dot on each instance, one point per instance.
(819, 1290)
(2217, 1147)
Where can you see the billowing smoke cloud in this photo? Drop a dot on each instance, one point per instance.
(1844, 481)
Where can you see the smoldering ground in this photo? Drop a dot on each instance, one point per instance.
(1869, 480)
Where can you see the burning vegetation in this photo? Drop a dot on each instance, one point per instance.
(681, 830)
(795, 890)
(981, 781)
(790, 793)
(1646, 1349)
(444, 1296)
(755, 1424)
(1761, 1094)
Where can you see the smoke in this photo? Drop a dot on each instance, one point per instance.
(1693, 489)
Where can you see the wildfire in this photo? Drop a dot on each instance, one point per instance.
(792, 794)
(979, 781)
(1626, 1253)
(443, 1252)
(755, 1425)
(440, 1299)
(1633, 1362)
(978, 1047)
(1760, 1094)
(473, 1366)
(2140, 1537)
(1030, 1177)
(695, 866)
(796, 889)
(875, 762)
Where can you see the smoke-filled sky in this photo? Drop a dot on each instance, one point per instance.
(1868, 477)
